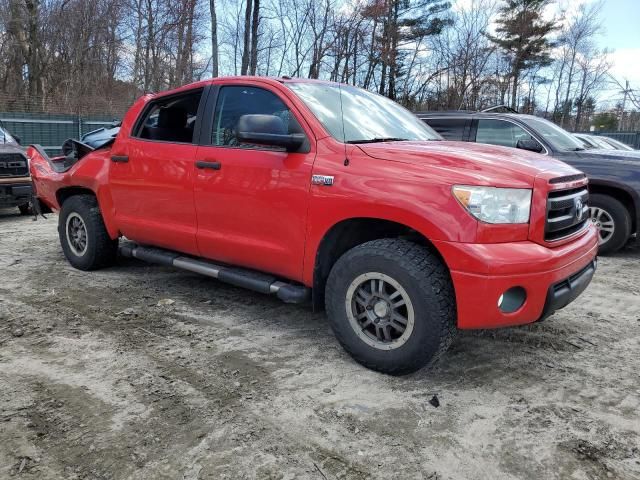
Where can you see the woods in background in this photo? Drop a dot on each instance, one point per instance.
(75, 55)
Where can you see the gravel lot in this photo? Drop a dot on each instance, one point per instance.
(146, 372)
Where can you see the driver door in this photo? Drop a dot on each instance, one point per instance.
(251, 201)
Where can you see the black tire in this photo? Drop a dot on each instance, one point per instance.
(25, 209)
(426, 281)
(99, 249)
(621, 222)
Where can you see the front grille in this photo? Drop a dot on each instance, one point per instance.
(567, 213)
(13, 165)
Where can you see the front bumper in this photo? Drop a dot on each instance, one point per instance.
(15, 191)
(566, 291)
(551, 278)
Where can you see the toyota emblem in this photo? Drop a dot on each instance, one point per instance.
(579, 208)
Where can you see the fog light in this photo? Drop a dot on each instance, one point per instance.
(512, 299)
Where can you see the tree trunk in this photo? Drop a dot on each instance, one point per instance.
(214, 39)
(253, 66)
(393, 48)
(569, 82)
(33, 49)
(514, 92)
(246, 49)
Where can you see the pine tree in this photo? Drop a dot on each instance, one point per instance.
(523, 36)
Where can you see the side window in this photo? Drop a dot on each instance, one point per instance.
(499, 132)
(449, 128)
(172, 119)
(235, 101)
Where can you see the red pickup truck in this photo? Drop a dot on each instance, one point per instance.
(318, 191)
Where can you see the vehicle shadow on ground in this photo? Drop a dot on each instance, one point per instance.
(11, 215)
(631, 250)
(508, 353)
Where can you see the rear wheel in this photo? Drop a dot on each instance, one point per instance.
(391, 305)
(612, 220)
(83, 236)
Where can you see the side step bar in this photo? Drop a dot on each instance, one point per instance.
(249, 279)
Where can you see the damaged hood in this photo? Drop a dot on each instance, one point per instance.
(487, 162)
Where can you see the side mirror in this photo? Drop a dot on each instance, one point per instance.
(267, 130)
(530, 145)
(17, 139)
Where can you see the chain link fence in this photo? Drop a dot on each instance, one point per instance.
(49, 122)
(50, 130)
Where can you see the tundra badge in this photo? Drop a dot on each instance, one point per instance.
(326, 180)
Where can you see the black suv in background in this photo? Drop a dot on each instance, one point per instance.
(614, 176)
(15, 182)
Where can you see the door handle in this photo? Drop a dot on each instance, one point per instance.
(119, 158)
(211, 165)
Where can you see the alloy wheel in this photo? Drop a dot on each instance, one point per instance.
(76, 234)
(603, 221)
(380, 310)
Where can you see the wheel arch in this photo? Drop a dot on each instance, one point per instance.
(349, 233)
(64, 193)
(621, 193)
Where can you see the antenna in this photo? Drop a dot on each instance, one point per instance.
(344, 134)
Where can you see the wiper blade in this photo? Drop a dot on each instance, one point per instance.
(577, 149)
(379, 140)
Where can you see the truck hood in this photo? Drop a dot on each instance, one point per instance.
(484, 161)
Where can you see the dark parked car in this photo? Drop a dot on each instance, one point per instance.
(614, 175)
(15, 183)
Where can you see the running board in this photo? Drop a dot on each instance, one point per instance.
(256, 281)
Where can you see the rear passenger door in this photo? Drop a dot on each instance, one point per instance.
(151, 175)
(251, 200)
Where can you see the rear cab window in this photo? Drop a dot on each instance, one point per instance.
(171, 119)
(454, 129)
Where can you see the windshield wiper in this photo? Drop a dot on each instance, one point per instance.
(379, 140)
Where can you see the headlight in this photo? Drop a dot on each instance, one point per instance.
(495, 205)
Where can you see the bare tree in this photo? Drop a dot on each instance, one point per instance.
(214, 39)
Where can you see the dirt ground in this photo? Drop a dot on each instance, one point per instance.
(146, 372)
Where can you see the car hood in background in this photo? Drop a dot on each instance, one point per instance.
(11, 148)
(631, 157)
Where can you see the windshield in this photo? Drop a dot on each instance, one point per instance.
(618, 144)
(366, 117)
(558, 138)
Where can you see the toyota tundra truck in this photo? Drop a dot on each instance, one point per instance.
(325, 193)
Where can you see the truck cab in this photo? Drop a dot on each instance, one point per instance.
(325, 193)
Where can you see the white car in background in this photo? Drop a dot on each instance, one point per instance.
(601, 142)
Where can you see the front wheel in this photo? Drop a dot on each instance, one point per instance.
(391, 305)
(83, 236)
(612, 220)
